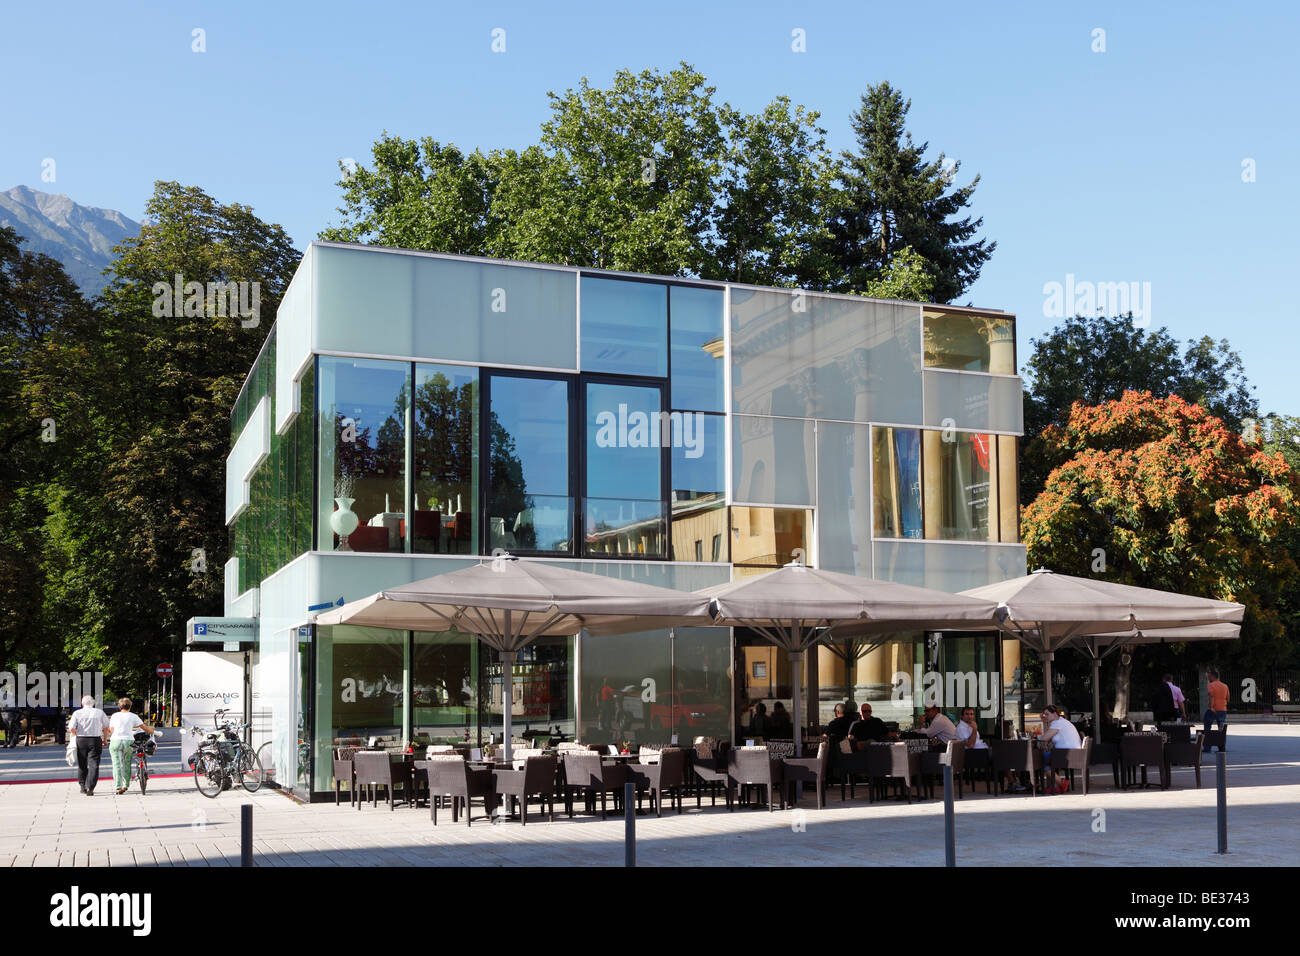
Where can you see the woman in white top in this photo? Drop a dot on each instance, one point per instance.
(124, 724)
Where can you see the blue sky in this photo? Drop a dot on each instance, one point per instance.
(1115, 166)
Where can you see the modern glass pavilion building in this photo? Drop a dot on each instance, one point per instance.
(411, 412)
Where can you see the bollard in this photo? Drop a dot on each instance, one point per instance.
(246, 835)
(949, 830)
(1221, 765)
(629, 825)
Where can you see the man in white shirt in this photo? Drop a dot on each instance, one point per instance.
(968, 732)
(1060, 734)
(939, 726)
(90, 726)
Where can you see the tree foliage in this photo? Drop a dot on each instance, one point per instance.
(654, 175)
(1175, 500)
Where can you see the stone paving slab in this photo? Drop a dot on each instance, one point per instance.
(51, 824)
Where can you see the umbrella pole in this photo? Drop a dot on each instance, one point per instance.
(1047, 657)
(1096, 698)
(796, 659)
(508, 694)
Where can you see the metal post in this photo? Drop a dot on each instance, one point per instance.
(1096, 698)
(1221, 764)
(1047, 657)
(507, 693)
(949, 828)
(629, 825)
(246, 835)
(796, 660)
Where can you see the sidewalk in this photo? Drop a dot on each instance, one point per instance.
(53, 825)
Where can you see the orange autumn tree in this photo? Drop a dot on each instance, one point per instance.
(1159, 493)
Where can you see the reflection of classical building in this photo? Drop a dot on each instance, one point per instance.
(399, 406)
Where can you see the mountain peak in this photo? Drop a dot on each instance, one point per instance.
(81, 237)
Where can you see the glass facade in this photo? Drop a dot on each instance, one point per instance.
(452, 406)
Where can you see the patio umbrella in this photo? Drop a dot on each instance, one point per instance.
(797, 606)
(507, 604)
(1046, 610)
(1099, 646)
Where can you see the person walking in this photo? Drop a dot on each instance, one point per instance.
(121, 744)
(1217, 712)
(90, 726)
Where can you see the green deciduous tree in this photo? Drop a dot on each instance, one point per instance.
(1175, 500)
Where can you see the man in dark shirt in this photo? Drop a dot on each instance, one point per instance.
(867, 728)
(838, 728)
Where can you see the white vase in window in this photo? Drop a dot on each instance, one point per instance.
(344, 521)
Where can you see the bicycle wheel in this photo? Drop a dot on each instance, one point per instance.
(266, 758)
(144, 776)
(208, 774)
(250, 771)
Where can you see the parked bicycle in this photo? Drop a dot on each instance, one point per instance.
(143, 746)
(223, 759)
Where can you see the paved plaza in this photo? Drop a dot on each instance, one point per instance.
(52, 824)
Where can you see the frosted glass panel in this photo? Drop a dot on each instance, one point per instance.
(624, 327)
(773, 460)
(383, 303)
(947, 567)
(843, 496)
(970, 401)
(814, 356)
(293, 344)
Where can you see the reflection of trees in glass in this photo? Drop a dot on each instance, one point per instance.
(445, 435)
(507, 489)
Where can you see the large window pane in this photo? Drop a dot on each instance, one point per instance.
(696, 317)
(529, 502)
(958, 487)
(844, 523)
(697, 706)
(623, 509)
(541, 678)
(897, 479)
(805, 355)
(975, 402)
(444, 688)
(971, 342)
(767, 538)
(700, 531)
(772, 460)
(360, 680)
(621, 684)
(624, 327)
(363, 414)
(446, 420)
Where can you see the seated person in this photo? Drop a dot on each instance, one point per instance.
(779, 724)
(867, 728)
(838, 728)
(968, 732)
(938, 726)
(1059, 734)
(1163, 708)
(758, 723)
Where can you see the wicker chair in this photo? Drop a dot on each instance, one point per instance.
(812, 770)
(754, 767)
(1185, 754)
(1071, 760)
(374, 769)
(710, 768)
(848, 764)
(585, 773)
(1143, 750)
(888, 763)
(932, 767)
(536, 779)
(667, 775)
(449, 775)
(1016, 756)
(343, 773)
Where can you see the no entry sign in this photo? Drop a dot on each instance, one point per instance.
(164, 670)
